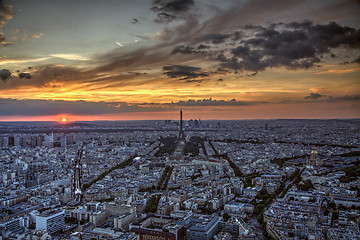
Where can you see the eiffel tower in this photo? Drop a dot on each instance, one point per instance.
(181, 130)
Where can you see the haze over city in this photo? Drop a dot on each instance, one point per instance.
(138, 60)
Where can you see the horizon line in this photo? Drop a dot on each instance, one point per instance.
(133, 120)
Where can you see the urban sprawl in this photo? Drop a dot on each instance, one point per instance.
(193, 179)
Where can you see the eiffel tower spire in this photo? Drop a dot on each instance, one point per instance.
(181, 130)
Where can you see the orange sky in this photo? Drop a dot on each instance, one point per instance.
(272, 111)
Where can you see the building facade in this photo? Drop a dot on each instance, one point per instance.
(51, 221)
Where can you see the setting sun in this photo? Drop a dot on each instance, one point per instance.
(64, 119)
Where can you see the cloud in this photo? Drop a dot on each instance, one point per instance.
(169, 10)
(295, 45)
(22, 60)
(253, 48)
(330, 35)
(211, 102)
(165, 18)
(69, 56)
(29, 37)
(300, 46)
(357, 60)
(44, 75)
(222, 39)
(38, 107)
(202, 46)
(5, 14)
(5, 75)
(36, 35)
(215, 38)
(184, 50)
(183, 72)
(314, 96)
(339, 71)
(347, 98)
(25, 75)
(53, 76)
(172, 5)
(134, 21)
(34, 107)
(251, 74)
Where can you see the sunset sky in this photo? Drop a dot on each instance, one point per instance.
(144, 59)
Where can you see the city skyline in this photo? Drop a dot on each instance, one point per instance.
(255, 179)
(112, 60)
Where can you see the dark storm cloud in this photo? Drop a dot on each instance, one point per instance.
(5, 10)
(164, 18)
(290, 45)
(215, 38)
(25, 75)
(34, 107)
(250, 62)
(300, 46)
(331, 35)
(254, 12)
(184, 50)
(211, 102)
(47, 75)
(202, 46)
(195, 80)
(237, 35)
(252, 74)
(183, 72)
(295, 45)
(5, 14)
(314, 96)
(172, 5)
(5, 74)
(134, 21)
(303, 24)
(254, 48)
(347, 98)
(357, 60)
(218, 38)
(169, 10)
(190, 50)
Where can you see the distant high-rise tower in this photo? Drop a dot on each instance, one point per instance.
(181, 130)
(31, 175)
